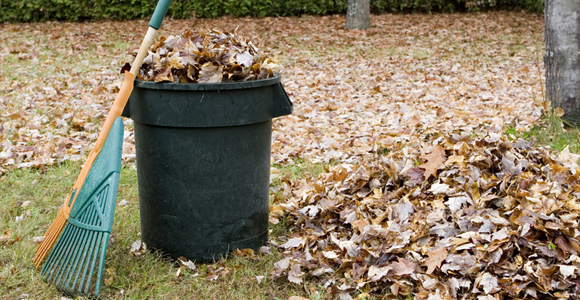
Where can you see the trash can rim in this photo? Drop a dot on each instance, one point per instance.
(208, 86)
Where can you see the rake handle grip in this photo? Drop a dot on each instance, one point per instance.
(159, 13)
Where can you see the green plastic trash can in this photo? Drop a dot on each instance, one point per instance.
(203, 164)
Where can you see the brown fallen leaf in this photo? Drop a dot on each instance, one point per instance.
(276, 213)
(225, 271)
(138, 248)
(376, 273)
(435, 159)
(5, 236)
(36, 239)
(265, 250)
(210, 73)
(186, 263)
(564, 244)
(247, 252)
(416, 175)
(436, 257)
(403, 267)
(489, 283)
(211, 273)
(295, 274)
(164, 75)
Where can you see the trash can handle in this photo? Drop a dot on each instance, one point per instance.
(282, 104)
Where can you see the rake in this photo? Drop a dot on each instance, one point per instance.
(81, 247)
(78, 237)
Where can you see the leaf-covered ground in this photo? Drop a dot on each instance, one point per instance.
(426, 197)
(354, 91)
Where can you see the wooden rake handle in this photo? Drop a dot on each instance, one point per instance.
(115, 111)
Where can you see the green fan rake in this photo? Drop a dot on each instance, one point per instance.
(76, 242)
(80, 249)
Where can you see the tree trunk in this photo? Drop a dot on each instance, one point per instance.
(358, 15)
(562, 58)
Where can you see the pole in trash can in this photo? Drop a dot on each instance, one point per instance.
(78, 237)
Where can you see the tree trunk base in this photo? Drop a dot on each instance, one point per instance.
(562, 59)
(358, 15)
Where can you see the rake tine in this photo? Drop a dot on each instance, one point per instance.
(86, 263)
(94, 258)
(65, 255)
(105, 237)
(70, 276)
(53, 265)
(82, 263)
(73, 265)
(89, 214)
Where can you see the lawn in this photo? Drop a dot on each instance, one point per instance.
(380, 99)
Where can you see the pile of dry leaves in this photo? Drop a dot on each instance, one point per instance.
(205, 57)
(450, 217)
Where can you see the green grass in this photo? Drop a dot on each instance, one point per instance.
(550, 131)
(126, 276)
(44, 189)
(421, 54)
(301, 168)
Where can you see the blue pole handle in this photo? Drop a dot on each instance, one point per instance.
(159, 13)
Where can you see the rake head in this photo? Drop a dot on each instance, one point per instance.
(76, 262)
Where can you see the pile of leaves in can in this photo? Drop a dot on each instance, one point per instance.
(451, 217)
(210, 56)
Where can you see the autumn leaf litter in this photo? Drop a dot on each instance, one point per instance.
(426, 196)
(484, 217)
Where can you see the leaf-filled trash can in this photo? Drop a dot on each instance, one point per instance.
(203, 164)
